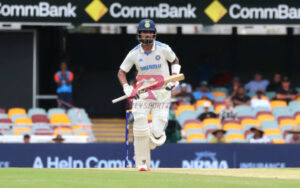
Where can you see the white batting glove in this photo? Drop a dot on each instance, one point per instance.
(171, 85)
(128, 89)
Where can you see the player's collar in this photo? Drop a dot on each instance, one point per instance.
(153, 48)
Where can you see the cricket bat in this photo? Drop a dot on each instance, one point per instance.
(172, 78)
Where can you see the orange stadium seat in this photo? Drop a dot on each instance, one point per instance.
(278, 141)
(285, 122)
(262, 118)
(232, 126)
(21, 130)
(218, 94)
(182, 108)
(208, 121)
(272, 132)
(246, 122)
(60, 119)
(63, 131)
(13, 111)
(278, 103)
(192, 126)
(23, 121)
(195, 136)
(202, 101)
(235, 136)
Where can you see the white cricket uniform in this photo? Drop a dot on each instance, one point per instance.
(153, 63)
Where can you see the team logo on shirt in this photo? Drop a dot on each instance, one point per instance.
(157, 57)
(140, 60)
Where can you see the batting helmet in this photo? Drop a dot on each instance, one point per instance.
(146, 25)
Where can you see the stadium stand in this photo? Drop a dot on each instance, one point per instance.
(74, 125)
(276, 123)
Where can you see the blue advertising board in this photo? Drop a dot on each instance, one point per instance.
(169, 155)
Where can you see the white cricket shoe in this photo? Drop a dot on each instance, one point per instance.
(143, 168)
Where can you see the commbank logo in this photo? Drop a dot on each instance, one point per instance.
(96, 10)
(215, 11)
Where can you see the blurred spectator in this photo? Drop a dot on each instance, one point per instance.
(63, 79)
(206, 113)
(58, 139)
(276, 83)
(295, 139)
(26, 139)
(233, 90)
(257, 84)
(260, 100)
(228, 113)
(173, 130)
(286, 92)
(218, 136)
(259, 137)
(184, 97)
(204, 92)
(241, 98)
(178, 89)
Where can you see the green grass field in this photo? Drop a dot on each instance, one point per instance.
(157, 178)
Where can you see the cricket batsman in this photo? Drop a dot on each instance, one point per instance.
(151, 59)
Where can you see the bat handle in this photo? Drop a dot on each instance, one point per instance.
(119, 99)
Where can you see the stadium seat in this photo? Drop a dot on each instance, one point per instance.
(231, 121)
(270, 94)
(270, 132)
(14, 111)
(192, 131)
(245, 113)
(218, 94)
(209, 121)
(260, 108)
(182, 108)
(294, 104)
(3, 116)
(2, 111)
(287, 122)
(220, 99)
(81, 132)
(235, 138)
(196, 138)
(35, 111)
(40, 118)
(186, 115)
(192, 126)
(23, 121)
(278, 141)
(21, 131)
(262, 118)
(60, 119)
(62, 131)
(250, 94)
(248, 123)
(232, 126)
(278, 103)
(223, 89)
(196, 121)
(202, 101)
(52, 111)
(263, 113)
(269, 124)
(43, 131)
(5, 120)
(17, 116)
(280, 118)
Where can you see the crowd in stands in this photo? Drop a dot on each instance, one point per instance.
(260, 111)
(53, 125)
